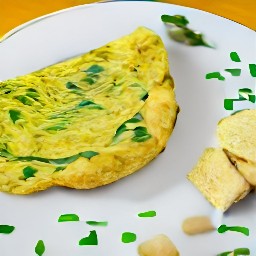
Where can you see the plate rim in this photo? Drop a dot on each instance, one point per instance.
(29, 23)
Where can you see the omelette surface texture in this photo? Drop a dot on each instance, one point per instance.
(87, 121)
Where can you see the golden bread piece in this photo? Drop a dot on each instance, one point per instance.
(160, 245)
(218, 179)
(88, 121)
(237, 136)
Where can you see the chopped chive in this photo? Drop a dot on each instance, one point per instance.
(64, 161)
(60, 161)
(138, 116)
(24, 100)
(97, 223)
(246, 94)
(68, 217)
(234, 71)
(148, 214)
(94, 69)
(229, 103)
(177, 20)
(60, 168)
(120, 130)
(224, 253)
(252, 68)
(241, 251)
(215, 75)
(234, 57)
(29, 172)
(31, 90)
(194, 38)
(144, 97)
(71, 86)
(141, 134)
(6, 229)
(243, 230)
(33, 95)
(236, 252)
(92, 239)
(88, 154)
(89, 104)
(40, 248)
(14, 115)
(89, 80)
(133, 120)
(128, 237)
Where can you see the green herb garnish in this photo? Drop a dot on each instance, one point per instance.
(89, 154)
(60, 168)
(71, 86)
(40, 248)
(244, 94)
(64, 161)
(14, 115)
(68, 217)
(148, 214)
(252, 68)
(179, 31)
(241, 251)
(89, 104)
(94, 69)
(234, 71)
(236, 252)
(33, 95)
(97, 223)
(178, 20)
(141, 134)
(225, 253)
(89, 80)
(145, 96)
(224, 228)
(215, 75)
(29, 172)
(6, 229)
(234, 57)
(92, 239)
(24, 100)
(61, 163)
(57, 127)
(92, 74)
(128, 237)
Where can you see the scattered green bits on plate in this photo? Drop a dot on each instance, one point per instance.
(148, 214)
(68, 217)
(6, 229)
(215, 75)
(40, 248)
(252, 68)
(92, 239)
(224, 228)
(97, 223)
(128, 237)
(235, 57)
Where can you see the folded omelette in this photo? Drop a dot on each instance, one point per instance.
(87, 121)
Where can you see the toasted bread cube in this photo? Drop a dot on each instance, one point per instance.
(218, 179)
(160, 245)
(237, 136)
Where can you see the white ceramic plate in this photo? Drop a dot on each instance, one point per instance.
(162, 185)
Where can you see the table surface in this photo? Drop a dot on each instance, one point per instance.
(16, 12)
